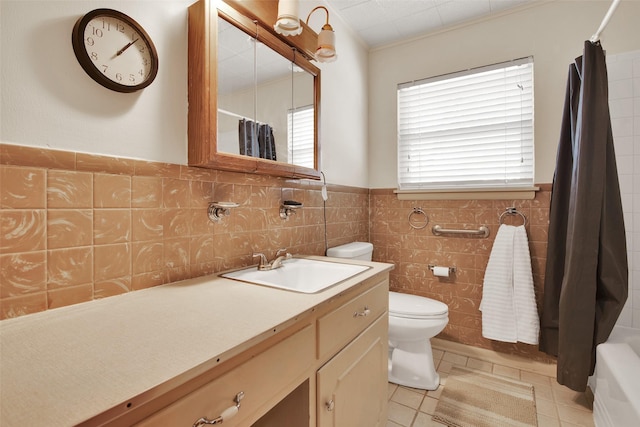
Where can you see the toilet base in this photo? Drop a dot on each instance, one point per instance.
(412, 368)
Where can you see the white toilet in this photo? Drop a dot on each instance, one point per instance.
(413, 321)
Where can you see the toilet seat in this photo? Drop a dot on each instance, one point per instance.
(415, 307)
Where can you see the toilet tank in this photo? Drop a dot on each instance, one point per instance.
(353, 250)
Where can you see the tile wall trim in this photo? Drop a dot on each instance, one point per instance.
(46, 158)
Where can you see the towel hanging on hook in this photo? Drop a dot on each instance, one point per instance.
(512, 211)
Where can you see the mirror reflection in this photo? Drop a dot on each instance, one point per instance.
(265, 101)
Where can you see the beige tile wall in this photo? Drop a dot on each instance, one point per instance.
(413, 250)
(75, 227)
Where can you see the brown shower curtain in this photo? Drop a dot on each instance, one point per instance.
(586, 278)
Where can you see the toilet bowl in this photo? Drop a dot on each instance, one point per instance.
(413, 321)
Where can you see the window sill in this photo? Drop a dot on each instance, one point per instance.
(525, 193)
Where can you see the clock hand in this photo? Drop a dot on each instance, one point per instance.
(118, 53)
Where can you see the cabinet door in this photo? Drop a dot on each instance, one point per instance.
(352, 386)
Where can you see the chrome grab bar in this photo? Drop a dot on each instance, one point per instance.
(483, 231)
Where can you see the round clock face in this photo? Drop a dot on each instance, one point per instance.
(115, 50)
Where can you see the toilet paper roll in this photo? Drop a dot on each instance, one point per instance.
(441, 271)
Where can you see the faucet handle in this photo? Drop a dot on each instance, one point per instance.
(279, 251)
(263, 259)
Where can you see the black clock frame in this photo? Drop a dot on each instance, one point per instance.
(77, 40)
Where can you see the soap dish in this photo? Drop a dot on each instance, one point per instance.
(291, 204)
(219, 209)
(288, 207)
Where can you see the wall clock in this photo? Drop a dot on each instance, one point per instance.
(115, 50)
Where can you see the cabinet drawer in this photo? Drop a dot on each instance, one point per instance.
(340, 326)
(264, 380)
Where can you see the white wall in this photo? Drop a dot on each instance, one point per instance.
(552, 32)
(344, 104)
(624, 102)
(47, 100)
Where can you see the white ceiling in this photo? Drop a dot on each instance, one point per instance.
(381, 22)
(377, 23)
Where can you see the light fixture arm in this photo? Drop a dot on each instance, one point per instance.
(316, 8)
(288, 24)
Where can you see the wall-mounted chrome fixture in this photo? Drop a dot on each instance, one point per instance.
(288, 24)
(482, 231)
(418, 219)
(288, 207)
(219, 209)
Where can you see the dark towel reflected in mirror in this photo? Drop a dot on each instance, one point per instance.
(256, 139)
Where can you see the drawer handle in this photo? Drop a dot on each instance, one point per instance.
(330, 405)
(230, 412)
(364, 313)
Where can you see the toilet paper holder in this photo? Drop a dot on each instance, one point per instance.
(432, 267)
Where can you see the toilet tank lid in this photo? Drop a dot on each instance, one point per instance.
(415, 305)
(350, 250)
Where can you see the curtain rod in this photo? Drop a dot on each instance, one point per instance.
(229, 113)
(594, 38)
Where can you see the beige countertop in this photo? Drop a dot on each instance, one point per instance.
(64, 366)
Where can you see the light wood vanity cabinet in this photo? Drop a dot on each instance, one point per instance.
(172, 354)
(263, 381)
(351, 386)
(332, 372)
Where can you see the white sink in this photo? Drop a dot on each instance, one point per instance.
(299, 274)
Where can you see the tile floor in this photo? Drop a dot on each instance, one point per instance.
(557, 406)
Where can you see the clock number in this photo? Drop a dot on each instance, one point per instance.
(132, 78)
(119, 77)
(90, 41)
(96, 31)
(94, 56)
(120, 28)
(105, 68)
(106, 24)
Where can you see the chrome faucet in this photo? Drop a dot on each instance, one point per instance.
(276, 263)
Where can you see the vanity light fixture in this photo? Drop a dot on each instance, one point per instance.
(326, 51)
(219, 209)
(288, 24)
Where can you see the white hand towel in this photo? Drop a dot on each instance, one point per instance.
(524, 294)
(509, 311)
(498, 315)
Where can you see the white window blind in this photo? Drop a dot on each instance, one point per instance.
(300, 140)
(472, 129)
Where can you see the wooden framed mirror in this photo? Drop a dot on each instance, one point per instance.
(253, 99)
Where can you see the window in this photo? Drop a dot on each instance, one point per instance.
(467, 130)
(300, 136)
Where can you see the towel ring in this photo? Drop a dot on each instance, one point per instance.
(512, 211)
(414, 222)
